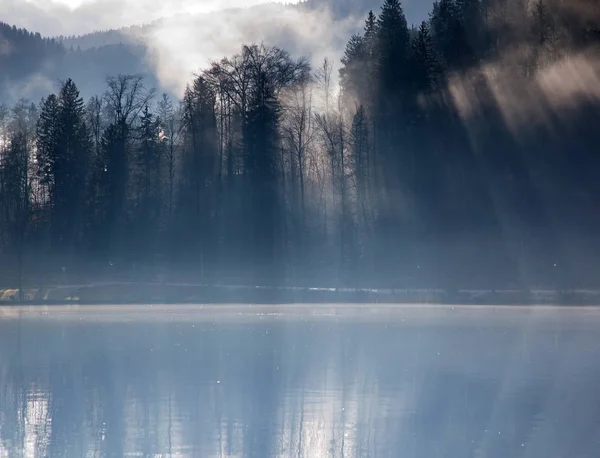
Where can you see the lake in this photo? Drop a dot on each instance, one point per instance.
(299, 381)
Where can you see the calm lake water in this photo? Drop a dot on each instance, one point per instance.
(300, 382)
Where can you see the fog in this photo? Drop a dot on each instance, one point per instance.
(77, 17)
(546, 99)
(171, 41)
(179, 46)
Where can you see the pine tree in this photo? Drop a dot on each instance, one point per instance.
(392, 96)
(425, 65)
(370, 35)
(47, 144)
(70, 164)
(63, 148)
(198, 160)
(446, 30)
(392, 45)
(354, 69)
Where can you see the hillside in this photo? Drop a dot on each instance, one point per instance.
(23, 55)
(32, 66)
(339, 10)
(167, 51)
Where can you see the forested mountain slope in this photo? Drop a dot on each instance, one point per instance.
(24, 54)
(415, 11)
(31, 66)
(181, 43)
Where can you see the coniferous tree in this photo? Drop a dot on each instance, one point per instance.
(71, 164)
(392, 46)
(393, 97)
(354, 67)
(197, 189)
(370, 45)
(446, 29)
(272, 69)
(48, 138)
(370, 35)
(425, 66)
(63, 148)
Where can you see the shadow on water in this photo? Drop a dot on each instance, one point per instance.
(299, 387)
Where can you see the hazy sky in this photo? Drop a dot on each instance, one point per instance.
(66, 17)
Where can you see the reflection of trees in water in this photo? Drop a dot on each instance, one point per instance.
(228, 390)
(31, 428)
(25, 417)
(301, 389)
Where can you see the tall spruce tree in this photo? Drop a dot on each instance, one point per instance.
(425, 65)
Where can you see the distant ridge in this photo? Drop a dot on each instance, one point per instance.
(31, 66)
(415, 10)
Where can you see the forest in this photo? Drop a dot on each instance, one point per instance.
(458, 153)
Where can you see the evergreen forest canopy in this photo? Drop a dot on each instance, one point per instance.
(31, 65)
(459, 153)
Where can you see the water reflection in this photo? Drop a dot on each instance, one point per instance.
(298, 387)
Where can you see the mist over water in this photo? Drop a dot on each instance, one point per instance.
(303, 383)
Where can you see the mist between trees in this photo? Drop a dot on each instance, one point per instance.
(459, 153)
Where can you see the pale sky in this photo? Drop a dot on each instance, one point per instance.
(68, 17)
(69, 3)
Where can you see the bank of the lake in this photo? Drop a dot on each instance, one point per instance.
(188, 293)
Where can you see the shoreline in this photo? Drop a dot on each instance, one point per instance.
(409, 317)
(140, 293)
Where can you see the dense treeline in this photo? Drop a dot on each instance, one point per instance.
(456, 153)
(23, 53)
(31, 65)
